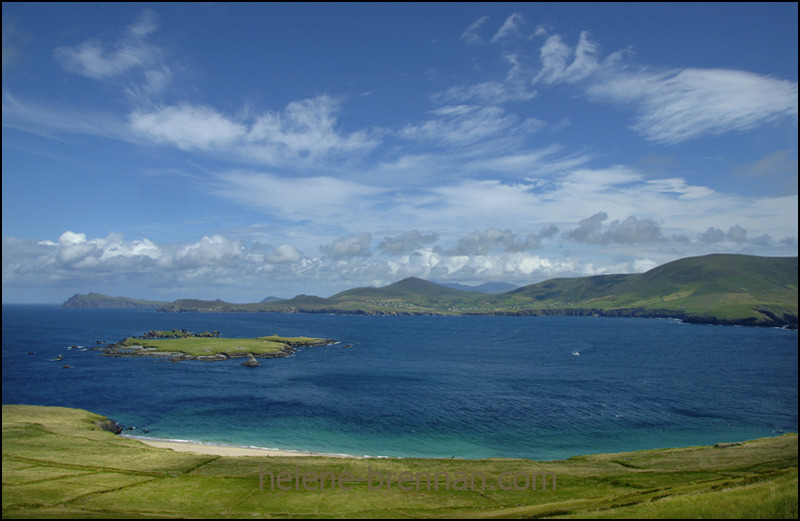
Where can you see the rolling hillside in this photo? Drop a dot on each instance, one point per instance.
(724, 289)
(716, 289)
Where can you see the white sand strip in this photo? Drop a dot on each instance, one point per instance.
(221, 450)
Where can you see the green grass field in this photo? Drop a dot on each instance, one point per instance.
(58, 462)
(207, 346)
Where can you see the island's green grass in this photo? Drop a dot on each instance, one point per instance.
(58, 463)
(208, 346)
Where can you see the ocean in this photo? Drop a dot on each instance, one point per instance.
(418, 386)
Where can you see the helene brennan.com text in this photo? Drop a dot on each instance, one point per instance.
(448, 480)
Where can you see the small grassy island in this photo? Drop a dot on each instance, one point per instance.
(180, 344)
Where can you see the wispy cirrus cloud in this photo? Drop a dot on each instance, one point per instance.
(470, 34)
(130, 60)
(460, 125)
(100, 61)
(511, 28)
(676, 106)
(563, 64)
(317, 199)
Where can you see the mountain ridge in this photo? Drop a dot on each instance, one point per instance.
(727, 289)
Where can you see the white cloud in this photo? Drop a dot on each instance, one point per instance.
(95, 60)
(511, 28)
(493, 239)
(285, 253)
(318, 198)
(407, 242)
(305, 128)
(470, 34)
(680, 105)
(346, 247)
(460, 125)
(187, 127)
(555, 56)
(516, 86)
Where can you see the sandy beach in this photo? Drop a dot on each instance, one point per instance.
(221, 450)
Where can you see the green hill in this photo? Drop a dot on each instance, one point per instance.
(715, 289)
(735, 289)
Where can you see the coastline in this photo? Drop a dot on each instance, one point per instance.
(233, 450)
(61, 462)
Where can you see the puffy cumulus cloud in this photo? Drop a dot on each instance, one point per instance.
(76, 251)
(351, 246)
(214, 260)
(481, 243)
(630, 231)
(518, 267)
(491, 239)
(736, 234)
(712, 235)
(634, 231)
(216, 250)
(283, 254)
(407, 242)
(588, 229)
(683, 104)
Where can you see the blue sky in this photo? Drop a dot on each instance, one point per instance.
(237, 151)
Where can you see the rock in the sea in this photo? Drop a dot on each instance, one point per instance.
(251, 362)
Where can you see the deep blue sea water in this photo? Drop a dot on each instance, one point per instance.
(422, 386)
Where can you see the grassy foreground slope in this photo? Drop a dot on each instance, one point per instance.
(59, 462)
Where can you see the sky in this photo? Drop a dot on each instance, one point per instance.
(239, 151)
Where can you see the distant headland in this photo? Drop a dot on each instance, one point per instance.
(722, 289)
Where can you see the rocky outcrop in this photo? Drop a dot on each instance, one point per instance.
(251, 362)
(108, 425)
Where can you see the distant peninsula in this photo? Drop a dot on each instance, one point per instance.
(724, 289)
(96, 300)
(180, 344)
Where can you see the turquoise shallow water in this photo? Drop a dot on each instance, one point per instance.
(471, 387)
